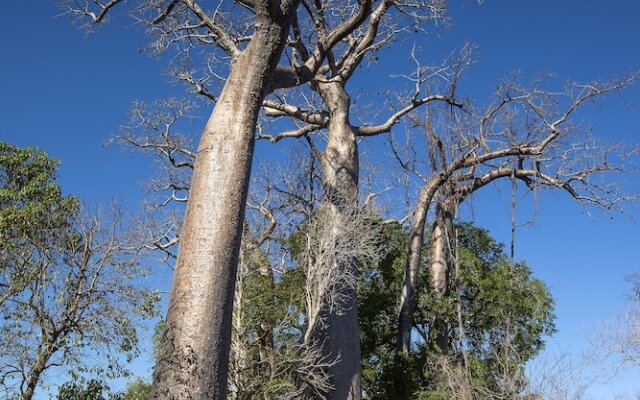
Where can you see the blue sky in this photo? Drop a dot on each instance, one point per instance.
(68, 93)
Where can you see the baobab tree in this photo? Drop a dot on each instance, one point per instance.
(526, 135)
(250, 37)
(338, 334)
(351, 30)
(339, 159)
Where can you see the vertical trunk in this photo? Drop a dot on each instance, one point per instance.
(339, 336)
(239, 345)
(412, 268)
(195, 353)
(266, 336)
(243, 367)
(441, 235)
(440, 250)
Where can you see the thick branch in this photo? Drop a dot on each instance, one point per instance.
(298, 133)
(361, 47)
(275, 109)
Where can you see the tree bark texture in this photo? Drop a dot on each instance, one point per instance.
(195, 352)
(439, 264)
(340, 337)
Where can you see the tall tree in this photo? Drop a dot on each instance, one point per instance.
(340, 165)
(486, 299)
(69, 280)
(520, 136)
(198, 325)
(339, 159)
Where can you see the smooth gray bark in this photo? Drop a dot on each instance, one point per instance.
(439, 264)
(195, 350)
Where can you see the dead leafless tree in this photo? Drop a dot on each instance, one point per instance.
(560, 375)
(617, 341)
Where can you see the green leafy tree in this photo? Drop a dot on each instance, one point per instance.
(92, 390)
(137, 389)
(34, 216)
(499, 300)
(506, 314)
(266, 355)
(72, 299)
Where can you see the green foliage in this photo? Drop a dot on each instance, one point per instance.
(498, 300)
(70, 294)
(34, 215)
(377, 310)
(92, 390)
(267, 329)
(137, 389)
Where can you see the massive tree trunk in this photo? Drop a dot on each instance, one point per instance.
(195, 353)
(339, 335)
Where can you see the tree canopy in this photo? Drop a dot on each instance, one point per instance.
(72, 289)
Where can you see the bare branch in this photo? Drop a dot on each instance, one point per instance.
(276, 109)
(298, 133)
(292, 76)
(98, 15)
(395, 118)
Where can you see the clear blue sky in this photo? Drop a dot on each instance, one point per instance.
(68, 94)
